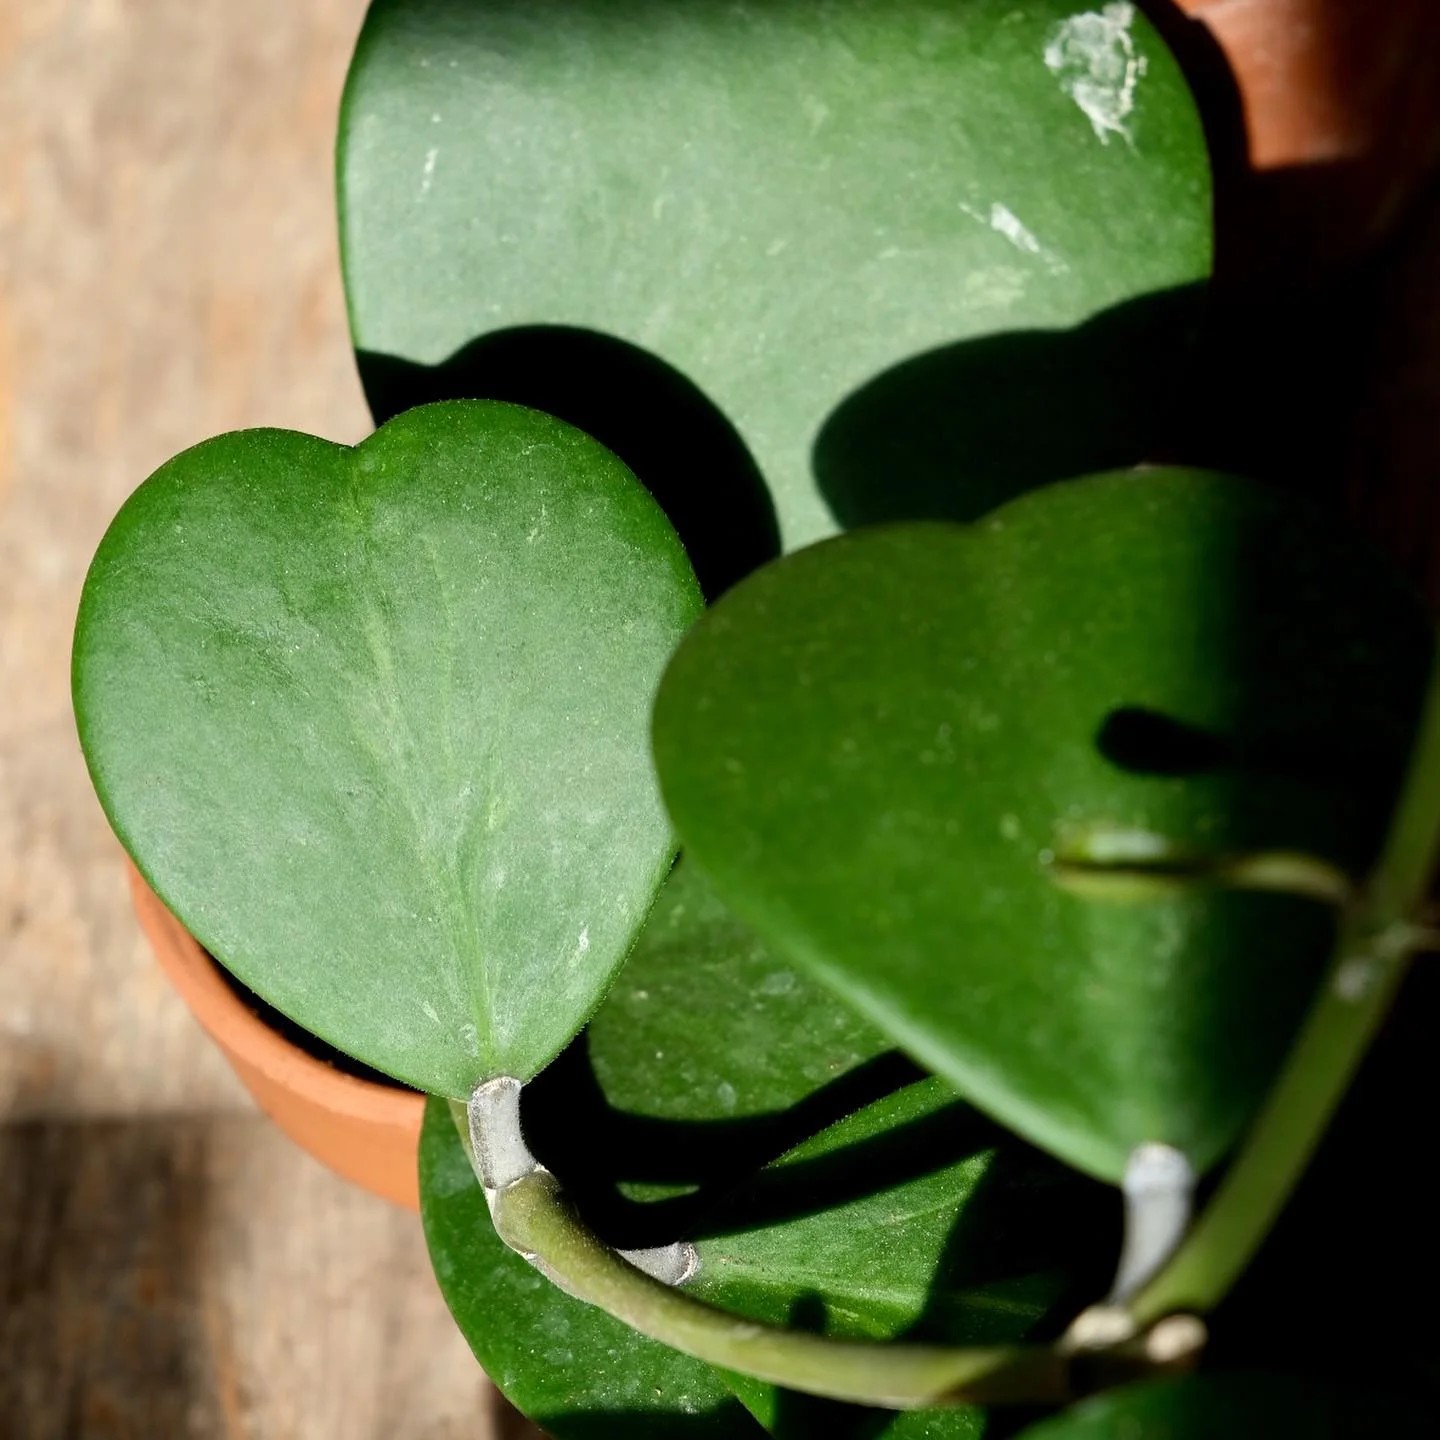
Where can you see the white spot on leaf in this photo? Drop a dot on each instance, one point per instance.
(1004, 221)
(1093, 57)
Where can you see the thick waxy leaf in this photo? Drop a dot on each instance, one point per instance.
(1238, 1407)
(707, 1059)
(881, 749)
(659, 221)
(915, 1217)
(705, 1023)
(569, 1366)
(372, 722)
(894, 1209)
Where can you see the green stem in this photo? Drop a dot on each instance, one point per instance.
(1377, 936)
(533, 1217)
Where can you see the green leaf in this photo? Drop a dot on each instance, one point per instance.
(878, 748)
(891, 1207)
(704, 1023)
(372, 722)
(707, 1059)
(914, 1217)
(569, 1366)
(1238, 1407)
(887, 244)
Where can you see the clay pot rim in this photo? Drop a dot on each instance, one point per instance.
(237, 1028)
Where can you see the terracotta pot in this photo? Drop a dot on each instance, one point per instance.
(1343, 97)
(364, 1131)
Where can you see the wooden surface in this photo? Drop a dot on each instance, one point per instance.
(169, 1265)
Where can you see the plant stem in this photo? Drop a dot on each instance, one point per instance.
(1377, 936)
(1378, 932)
(533, 1217)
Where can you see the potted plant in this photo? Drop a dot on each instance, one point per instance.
(1051, 852)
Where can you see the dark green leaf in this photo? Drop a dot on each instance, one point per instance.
(707, 1059)
(915, 1217)
(919, 254)
(705, 1023)
(1238, 1407)
(710, 1057)
(569, 1366)
(876, 748)
(372, 722)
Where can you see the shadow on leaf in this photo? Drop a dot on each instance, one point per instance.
(593, 1148)
(956, 432)
(662, 425)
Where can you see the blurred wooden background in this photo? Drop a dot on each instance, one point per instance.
(169, 1265)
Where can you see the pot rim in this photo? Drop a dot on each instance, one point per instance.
(237, 1028)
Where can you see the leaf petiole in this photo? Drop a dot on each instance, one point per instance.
(1376, 940)
(533, 1217)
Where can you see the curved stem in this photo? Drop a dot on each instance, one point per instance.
(1377, 934)
(533, 1217)
(1376, 939)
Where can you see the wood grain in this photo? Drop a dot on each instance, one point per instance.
(163, 1277)
(169, 1265)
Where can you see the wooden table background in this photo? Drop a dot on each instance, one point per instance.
(169, 1265)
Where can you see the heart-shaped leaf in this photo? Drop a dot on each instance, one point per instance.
(795, 208)
(1239, 1407)
(879, 747)
(570, 1367)
(372, 722)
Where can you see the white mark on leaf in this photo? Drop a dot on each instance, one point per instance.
(1093, 56)
(427, 175)
(1009, 226)
(1004, 221)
